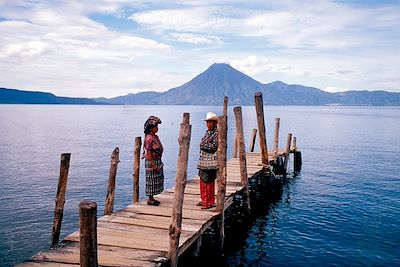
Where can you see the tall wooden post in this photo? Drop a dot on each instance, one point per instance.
(287, 150)
(88, 233)
(261, 127)
(253, 140)
(181, 177)
(276, 139)
(136, 168)
(221, 174)
(242, 151)
(225, 112)
(60, 198)
(109, 206)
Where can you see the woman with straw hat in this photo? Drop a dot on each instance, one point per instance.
(208, 164)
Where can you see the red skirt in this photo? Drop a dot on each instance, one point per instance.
(207, 193)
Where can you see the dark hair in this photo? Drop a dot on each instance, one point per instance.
(148, 128)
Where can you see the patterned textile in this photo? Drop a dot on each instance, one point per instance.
(209, 142)
(208, 151)
(154, 179)
(152, 145)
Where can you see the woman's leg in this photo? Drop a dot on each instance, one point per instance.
(203, 193)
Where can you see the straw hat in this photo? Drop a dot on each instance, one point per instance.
(211, 116)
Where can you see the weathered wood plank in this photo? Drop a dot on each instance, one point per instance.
(108, 256)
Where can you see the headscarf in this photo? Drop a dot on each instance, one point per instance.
(152, 120)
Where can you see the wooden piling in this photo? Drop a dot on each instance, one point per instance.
(109, 205)
(287, 150)
(253, 140)
(181, 178)
(60, 198)
(294, 143)
(88, 233)
(242, 151)
(225, 111)
(136, 169)
(261, 127)
(276, 139)
(297, 161)
(221, 174)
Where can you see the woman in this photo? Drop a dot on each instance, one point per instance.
(152, 150)
(208, 164)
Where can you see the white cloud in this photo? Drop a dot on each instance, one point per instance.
(60, 46)
(28, 49)
(140, 43)
(198, 19)
(196, 38)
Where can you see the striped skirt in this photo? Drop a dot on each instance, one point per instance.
(154, 179)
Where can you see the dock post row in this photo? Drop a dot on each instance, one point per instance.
(121, 238)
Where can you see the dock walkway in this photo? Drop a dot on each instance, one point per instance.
(138, 235)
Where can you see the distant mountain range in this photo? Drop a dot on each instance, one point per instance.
(209, 88)
(13, 96)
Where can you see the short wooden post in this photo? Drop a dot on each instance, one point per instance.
(253, 140)
(294, 143)
(221, 174)
(287, 150)
(261, 127)
(242, 151)
(181, 177)
(60, 198)
(225, 112)
(109, 206)
(88, 233)
(297, 161)
(136, 168)
(276, 139)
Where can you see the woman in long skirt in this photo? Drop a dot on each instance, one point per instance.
(153, 150)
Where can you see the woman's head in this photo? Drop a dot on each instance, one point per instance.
(151, 124)
(151, 128)
(211, 120)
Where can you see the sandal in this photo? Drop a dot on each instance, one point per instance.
(153, 203)
(199, 204)
(208, 207)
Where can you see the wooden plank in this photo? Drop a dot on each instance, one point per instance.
(108, 256)
(52, 264)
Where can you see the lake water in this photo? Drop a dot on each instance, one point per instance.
(342, 210)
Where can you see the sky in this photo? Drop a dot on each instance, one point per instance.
(108, 48)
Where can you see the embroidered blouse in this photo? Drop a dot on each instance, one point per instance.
(209, 142)
(152, 145)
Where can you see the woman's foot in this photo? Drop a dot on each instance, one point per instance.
(208, 207)
(153, 202)
(199, 204)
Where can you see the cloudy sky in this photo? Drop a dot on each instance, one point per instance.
(116, 47)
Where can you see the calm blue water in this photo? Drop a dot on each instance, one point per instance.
(343, 210)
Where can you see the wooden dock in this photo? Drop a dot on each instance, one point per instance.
(138, 235)
(143, 235)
